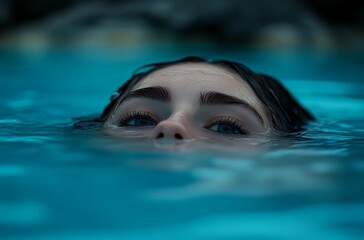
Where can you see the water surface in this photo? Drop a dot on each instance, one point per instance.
(57, 182)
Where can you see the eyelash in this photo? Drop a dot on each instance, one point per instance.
(221, 119)
(137, 113)
(229, 120)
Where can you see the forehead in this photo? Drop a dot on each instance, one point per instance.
(198, 77)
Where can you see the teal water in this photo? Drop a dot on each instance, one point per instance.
(57, 182)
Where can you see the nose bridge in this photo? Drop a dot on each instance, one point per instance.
(173, 128)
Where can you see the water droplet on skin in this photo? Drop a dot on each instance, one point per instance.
(114, 96)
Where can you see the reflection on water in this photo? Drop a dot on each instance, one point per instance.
(58, 182)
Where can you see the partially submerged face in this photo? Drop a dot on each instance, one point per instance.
(190, 101)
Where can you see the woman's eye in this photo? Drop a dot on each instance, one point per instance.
(227, 125)
(138, 118)
(226, 128)
(140, 121)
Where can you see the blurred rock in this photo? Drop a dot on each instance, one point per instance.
(293, 22)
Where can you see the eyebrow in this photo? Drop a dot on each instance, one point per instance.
(156, 93)
(208, 98)
(216, 98)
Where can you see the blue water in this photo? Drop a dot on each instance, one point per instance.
(57, 182)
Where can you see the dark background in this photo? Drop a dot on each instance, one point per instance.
(283, 23)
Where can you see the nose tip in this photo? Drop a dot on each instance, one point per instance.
(171, 130)
(176, 136)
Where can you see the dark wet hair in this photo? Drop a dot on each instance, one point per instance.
(286, 114)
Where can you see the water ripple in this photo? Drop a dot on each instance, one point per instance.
(26, 139)
(22, 213)
(11, 170)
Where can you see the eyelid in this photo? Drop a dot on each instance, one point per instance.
(135, 113)
(228, 119)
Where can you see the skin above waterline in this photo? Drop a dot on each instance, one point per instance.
(190, 102)
(195, 100)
